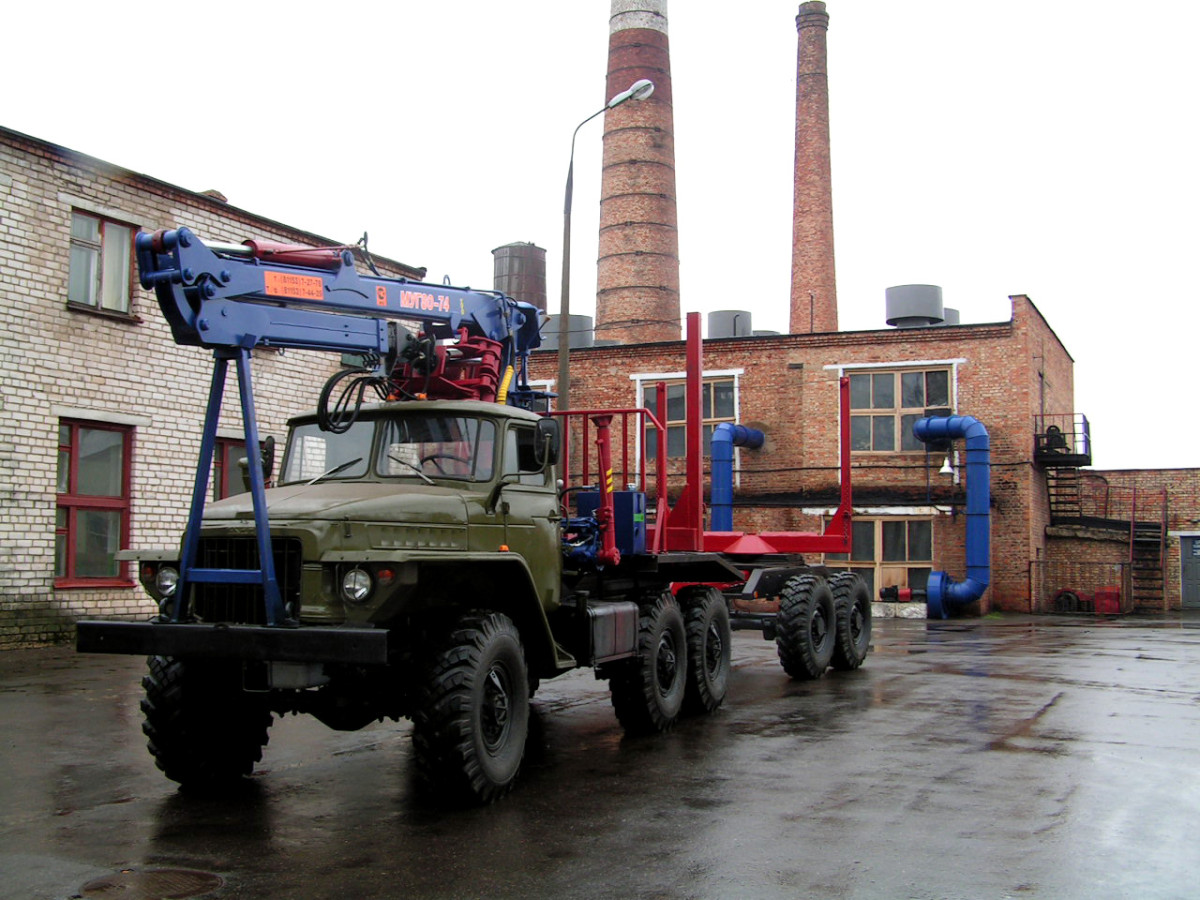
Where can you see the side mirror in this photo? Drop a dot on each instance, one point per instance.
(549, 441)
(268, 458)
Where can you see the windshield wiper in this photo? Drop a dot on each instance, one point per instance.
(413, 466)
(340, 467)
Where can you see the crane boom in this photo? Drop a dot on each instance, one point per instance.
(245, 297)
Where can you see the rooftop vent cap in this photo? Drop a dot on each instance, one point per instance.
(725, 323)
(914, 305)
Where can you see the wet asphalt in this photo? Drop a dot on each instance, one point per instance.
(1008, 757)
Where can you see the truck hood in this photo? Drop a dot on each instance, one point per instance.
(359, 500)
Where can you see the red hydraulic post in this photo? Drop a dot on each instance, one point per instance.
(605, 515)
(662, 509)
(686, 529)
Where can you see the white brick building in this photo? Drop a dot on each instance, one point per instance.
(100, 411)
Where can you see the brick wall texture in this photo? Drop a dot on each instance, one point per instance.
(814, 288)
(1005, 374)
(637, 276)
(54, 358)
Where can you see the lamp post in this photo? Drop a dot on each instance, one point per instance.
(639, 90)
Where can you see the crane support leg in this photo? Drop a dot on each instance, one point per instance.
(189, 572)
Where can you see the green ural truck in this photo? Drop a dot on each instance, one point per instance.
(427, 559)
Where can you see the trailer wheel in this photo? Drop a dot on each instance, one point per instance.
(706, 621)
(202, 728)
(805, 628)
(471, 717)
(648, 691)
(852, 601)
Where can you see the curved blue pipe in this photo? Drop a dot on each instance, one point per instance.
(944, 590)
(725, 437)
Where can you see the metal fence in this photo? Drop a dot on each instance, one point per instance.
(1086, 588)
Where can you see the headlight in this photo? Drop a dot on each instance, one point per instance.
(166, 580)
(356, 585)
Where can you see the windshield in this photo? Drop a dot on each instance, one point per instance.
(436, 446)
(313, 453)
(424, 446)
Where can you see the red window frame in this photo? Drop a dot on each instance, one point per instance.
(227, 474)
(72, 502)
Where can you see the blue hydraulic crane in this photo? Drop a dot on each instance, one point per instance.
(231, 299)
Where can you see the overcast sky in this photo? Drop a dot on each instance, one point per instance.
(991, 148)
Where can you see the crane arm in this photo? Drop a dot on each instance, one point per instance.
(246, 297)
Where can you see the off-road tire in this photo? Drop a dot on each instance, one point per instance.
(805, 628)
(709, 644)
(471, 717)
(648, 691)
(852, 601)
(202, 729)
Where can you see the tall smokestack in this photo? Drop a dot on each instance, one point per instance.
(814, 290)
(637, 285)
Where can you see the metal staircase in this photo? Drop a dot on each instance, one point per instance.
(1148, 550)
(1064, 488)
(1146, 566)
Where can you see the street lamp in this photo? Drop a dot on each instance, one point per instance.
(639, 90)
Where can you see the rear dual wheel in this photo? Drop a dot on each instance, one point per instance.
(706, 622)
(852, 602)
(806, 627)
(648, 691)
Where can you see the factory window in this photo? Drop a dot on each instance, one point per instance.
(92, 515)
(891, 552)
(101, 255)
(718, 401)
(884, 406)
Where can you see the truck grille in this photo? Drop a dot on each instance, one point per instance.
(243, 604)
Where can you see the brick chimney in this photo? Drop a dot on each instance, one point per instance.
(814, 290)
(637, 284)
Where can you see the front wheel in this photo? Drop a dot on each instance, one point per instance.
(472, 713)
(648, 691)
(202, 728)
(805, 627)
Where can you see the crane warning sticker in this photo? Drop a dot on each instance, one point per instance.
(297, 287)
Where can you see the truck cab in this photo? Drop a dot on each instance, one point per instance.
(414, 510)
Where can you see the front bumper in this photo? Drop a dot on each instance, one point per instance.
(319, 644)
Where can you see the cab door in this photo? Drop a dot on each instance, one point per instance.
(527, 510)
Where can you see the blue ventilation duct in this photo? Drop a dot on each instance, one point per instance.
(943, 591)
(725, 437)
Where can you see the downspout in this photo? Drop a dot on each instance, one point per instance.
(725, 437)
(943, 591)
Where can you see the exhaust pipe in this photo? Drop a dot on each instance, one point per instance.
(943, 591)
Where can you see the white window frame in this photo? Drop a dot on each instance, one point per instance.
(98, 252)
(642, 380)
(903, 366)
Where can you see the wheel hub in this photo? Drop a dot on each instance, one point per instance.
(713, 650)
(819, 628)
(495, 708)
(667, 663)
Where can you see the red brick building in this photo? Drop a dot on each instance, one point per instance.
(1015, 377)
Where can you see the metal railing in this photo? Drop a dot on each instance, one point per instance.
(1064, 435)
